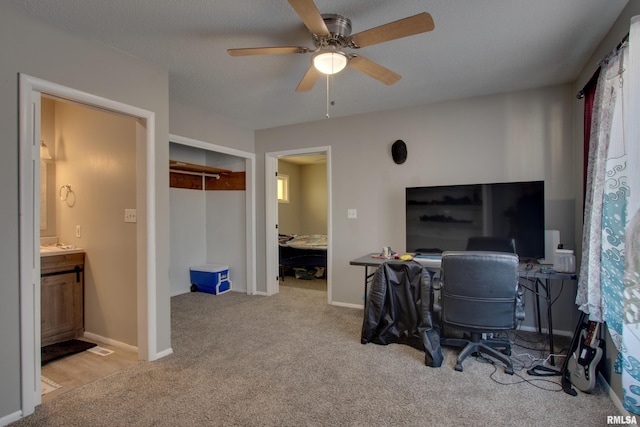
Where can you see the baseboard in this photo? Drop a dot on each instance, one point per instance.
(180, 292)
(613, 396)
(188, 291)
(109, 341)
(347, 305)
(11, 418)
(545, 330)
(164, 353)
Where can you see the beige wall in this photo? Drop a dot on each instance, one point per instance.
(314, 198)
(306, 212)
(96, 155)
(290, 214)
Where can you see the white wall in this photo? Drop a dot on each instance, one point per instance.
(226, 219)
(207, 227)
(188, 245)
(31, 47)
(508, 137)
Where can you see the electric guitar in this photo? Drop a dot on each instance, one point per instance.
(584, 360)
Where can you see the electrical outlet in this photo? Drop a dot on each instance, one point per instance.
(352, 213)
(130, 215)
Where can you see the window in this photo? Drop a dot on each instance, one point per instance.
(283, 188)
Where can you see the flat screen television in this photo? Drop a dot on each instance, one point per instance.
(442, 218)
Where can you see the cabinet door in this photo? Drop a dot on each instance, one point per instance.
(61, 303)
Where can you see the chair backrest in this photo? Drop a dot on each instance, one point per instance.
(490, 243)
(479, 290)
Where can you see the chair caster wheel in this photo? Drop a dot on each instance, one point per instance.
(194, 288)
(508, 371)
(458, 367)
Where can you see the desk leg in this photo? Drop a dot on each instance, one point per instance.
(549, 322)
(538, 306)
(366, 282)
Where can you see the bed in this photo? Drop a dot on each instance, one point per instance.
(306, 254)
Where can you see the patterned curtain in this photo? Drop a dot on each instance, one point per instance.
(608, 283)
(631, 305)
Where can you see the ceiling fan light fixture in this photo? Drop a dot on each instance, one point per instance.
(330, 62)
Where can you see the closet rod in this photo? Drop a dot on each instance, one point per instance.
(212, 175)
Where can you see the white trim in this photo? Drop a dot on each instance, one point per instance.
(271, 215)
(31, 89)
(10, 418)
(250, 199)
(271, 220)
(112, 342)
(29, 268)
(347, 305)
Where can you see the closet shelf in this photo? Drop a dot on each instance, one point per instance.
(198, 177)
(177, 166)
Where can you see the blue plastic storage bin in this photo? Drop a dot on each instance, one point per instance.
(210, 278)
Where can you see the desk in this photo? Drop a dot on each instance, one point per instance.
(543, 280)
(539, 279)
(366, 261)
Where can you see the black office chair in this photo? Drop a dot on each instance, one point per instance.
(491, 243)
(479, 295)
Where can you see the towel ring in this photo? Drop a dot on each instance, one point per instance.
(64, 192)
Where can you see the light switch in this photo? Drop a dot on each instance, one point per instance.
(352, 213)
(78, 231)
(130, 215)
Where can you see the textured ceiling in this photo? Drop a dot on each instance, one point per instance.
(477, 48)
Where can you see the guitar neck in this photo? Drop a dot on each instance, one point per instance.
(592, 334)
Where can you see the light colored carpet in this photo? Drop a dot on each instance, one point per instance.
(293, 360)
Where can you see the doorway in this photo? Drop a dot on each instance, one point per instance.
(31, 92)
(91, 156)
(271, 205)
(249, 246)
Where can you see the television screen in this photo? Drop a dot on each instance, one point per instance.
(443, 218)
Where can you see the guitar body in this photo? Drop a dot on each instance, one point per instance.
(582, 364)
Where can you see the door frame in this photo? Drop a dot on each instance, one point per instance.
(271, 215)
(31, 89)
(250, 199)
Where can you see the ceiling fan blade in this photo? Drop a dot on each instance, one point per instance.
(281, 50)
(374, 70)
(420, 23)
(309, 79)
(310, 15)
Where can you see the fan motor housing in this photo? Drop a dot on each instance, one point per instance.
(339, 28)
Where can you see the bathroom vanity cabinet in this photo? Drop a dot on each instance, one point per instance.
(62, 297)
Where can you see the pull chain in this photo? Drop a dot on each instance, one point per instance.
(329, 87)
(328, 96)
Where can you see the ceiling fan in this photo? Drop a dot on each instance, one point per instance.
(331, 35)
